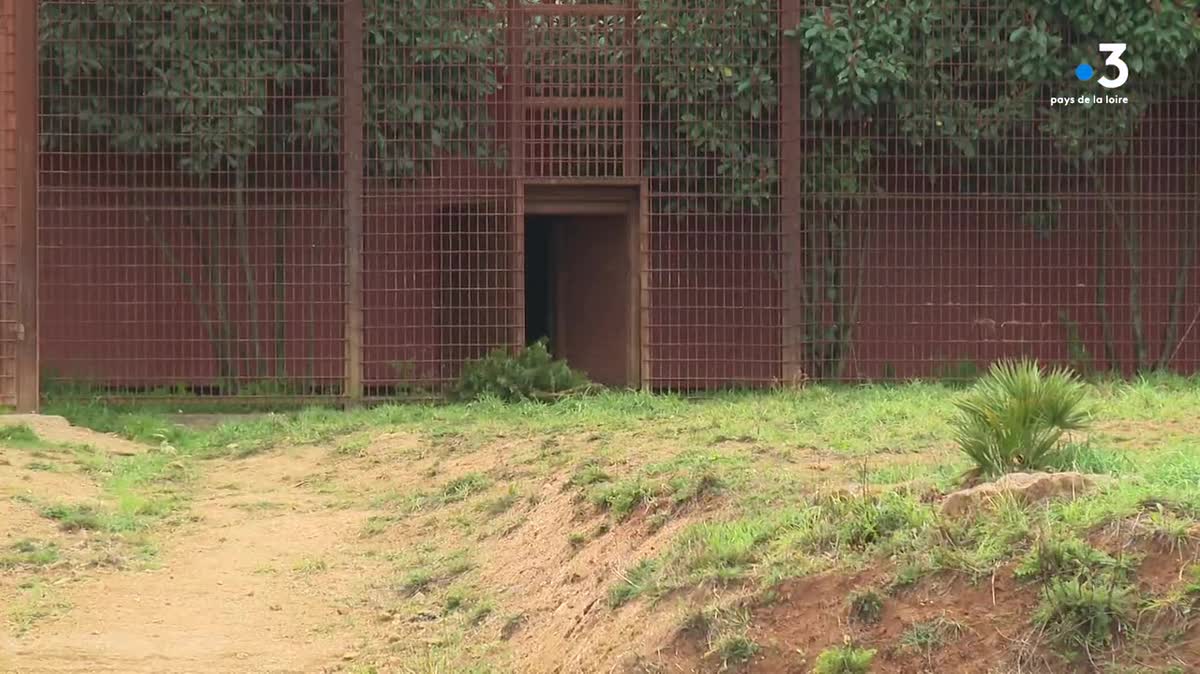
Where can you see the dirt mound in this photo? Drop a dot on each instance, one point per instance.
(59, 431)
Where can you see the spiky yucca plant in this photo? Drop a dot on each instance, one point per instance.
(1015, 417)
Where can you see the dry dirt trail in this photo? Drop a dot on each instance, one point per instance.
(259, 577)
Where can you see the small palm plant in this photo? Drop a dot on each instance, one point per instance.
(1015, 417)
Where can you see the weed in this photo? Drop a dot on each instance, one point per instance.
(462, 488)
(622, 498)
(1082, 615)
(28, 552)
(310, 565)
(73, 517)
(377, 524)
(725, 629)
(1015, 417)
(1169, 529)
(588, 474)
(577, 539)
(866, 606)
(735, 648)
(1057, 557)
(907, 576)
(21, 436)
(1084, 457)
(847, 659)
(930, 635)
(633, 583)
(502, 504)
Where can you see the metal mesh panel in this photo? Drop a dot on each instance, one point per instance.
(191, 196)
(355, 197)
(440, 231)
(9, 315)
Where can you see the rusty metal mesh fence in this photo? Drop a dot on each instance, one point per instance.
(9, 314)
(346, 197)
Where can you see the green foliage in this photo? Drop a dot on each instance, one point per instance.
(430, 67)
(20, 435)
(462, 488)
(1059, 557)
(848, 659)
(532, 374)
(74, 517)
(1082, 615)
(866, 606)
(214, 82)
(633, 583)
(1014, 418)
(709, 75)
(28, 552)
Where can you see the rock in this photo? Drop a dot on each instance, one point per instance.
(349, 655)
(1025, 487)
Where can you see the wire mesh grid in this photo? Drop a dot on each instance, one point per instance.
(8, 205)
(349, 197)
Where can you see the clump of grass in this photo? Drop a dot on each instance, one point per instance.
(725, 630)
(377, 524)
(623, 497)
(577, 539)
(588, 474)
(635, 582)
(1059, 557)
(930, 635)
(1084, 457)
(462, 488)
(28, 552)
(861, 522)
(846, 659)
(1082, 616)
(866, 606)
(531, 374)
(74, 517)
(1014, 419)
(20, 435)
(310, 565)
(502, 504)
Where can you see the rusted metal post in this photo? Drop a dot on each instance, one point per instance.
(516, 157)
(791, 167)
(352, 167)
(26, 90)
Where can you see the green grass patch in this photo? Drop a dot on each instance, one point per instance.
(28, 552)
(846, 659)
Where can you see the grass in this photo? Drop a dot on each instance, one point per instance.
(28, 552)
(773, 486)
(21, 436)
(930, 635)
(866, 606)
(846, 659)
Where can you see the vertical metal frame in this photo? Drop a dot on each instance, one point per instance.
(26, 90)
(352, 176)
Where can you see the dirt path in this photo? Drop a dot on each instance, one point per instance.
(262, 579)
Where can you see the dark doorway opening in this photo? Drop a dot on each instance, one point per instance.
(539, 281)
(580, 292)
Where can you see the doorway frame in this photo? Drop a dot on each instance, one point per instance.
(627, 198)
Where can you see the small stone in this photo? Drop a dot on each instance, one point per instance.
(275, 607)
(349, 655)
(385, 616)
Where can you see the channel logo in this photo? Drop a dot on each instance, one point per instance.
(1085, 72)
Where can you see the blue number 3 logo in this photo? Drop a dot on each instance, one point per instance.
(1114, 51)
